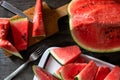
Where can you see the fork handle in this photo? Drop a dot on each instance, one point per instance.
(13, 74)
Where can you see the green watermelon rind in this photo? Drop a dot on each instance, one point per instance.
(14, 53)
(80, 43)
(56, 58)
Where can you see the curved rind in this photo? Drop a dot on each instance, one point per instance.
(80, 43)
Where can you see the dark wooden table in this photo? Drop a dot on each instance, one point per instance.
(63, 37)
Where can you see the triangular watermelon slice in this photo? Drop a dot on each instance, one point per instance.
(20, 33)
(114, 74)
(69, 71)
(5, 45)
(66, 54)
(88, 72)
(38, 24)
(42, 74)
(102, 72)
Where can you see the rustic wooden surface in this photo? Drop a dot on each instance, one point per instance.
(8, 65)
(62, 38)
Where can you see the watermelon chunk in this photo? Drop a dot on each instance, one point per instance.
(95, 24)
(4, 26)
(102, 72)
(114, 74)
(38, 24)
(69, 71)
(66, 54)
(88, 72)
(20, 33)
(42, 74)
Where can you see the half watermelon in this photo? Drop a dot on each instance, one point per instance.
(95, 24)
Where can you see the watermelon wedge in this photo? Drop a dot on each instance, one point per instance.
(42, 74)
(88, 72)
(114, 74)
(95, 24)
(69, 71)
(6, 46)
(66, 54)
(38, 24)
(102, 72)
(19, 29)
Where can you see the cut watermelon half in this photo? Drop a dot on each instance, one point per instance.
(95, 24)
(42, 74)
(66, 54)
(114, 74)
(38, 24)
(88, 72)
(20, 33)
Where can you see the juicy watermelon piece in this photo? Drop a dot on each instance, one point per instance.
(66, 54)
(88, 72)
(69, 71)
(95, 24)
(8, 47)
(20, 33)
(114, 74)
(38, 24)
(42, 74)
(4, 26)
(102, 72)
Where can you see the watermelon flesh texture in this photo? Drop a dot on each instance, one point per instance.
(88, 72)
(114, 74)
(20, 33)
(38, 24)
(5, 45)
(69, 71)
(102, 72)
(4, 26)
(95, 27)
(66, 54)
(42, 74)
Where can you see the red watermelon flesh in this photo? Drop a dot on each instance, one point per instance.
(8, 47)
(101, 20)
(114, 74)
(42, 74)
(102, 72)
(88, 72)
(4, 26)
(20, 33)
(38, 24)
(80, 59)
(66, 54)
(69, 71)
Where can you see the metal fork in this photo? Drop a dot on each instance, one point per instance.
(34, 56)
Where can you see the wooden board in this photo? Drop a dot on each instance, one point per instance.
(50, 17)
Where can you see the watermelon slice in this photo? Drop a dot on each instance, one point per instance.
(95, 24)
(42, 74)
(102, 72)
(69, 71)
(38, 25)
(4, 26)
(66, 54)
(9, 48)
(20, 33)
(114, 74)
(88, 72)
